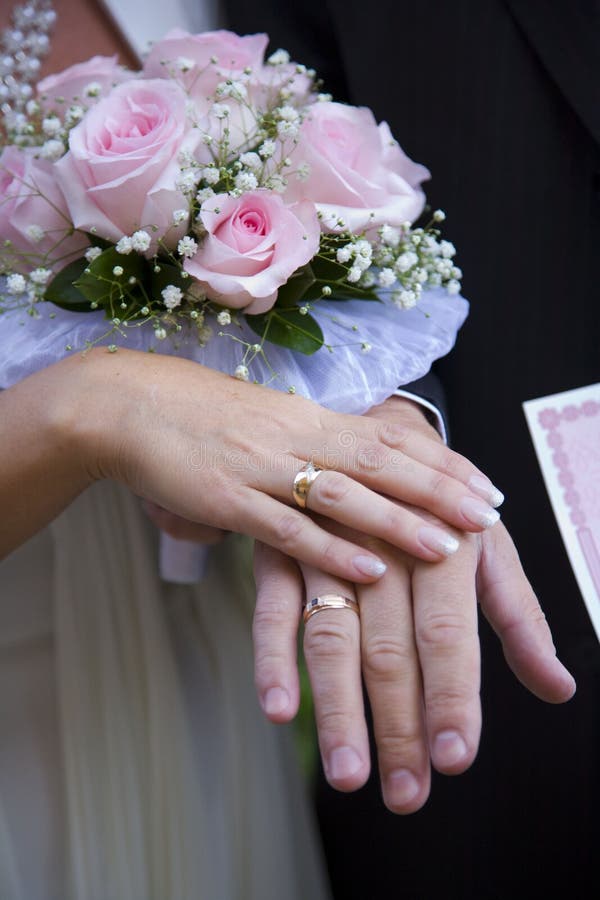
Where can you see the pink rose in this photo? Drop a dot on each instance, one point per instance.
(122, 167)
(252, 246)
(99, 74)
(356, 169)
(190, 59)
(33, 214)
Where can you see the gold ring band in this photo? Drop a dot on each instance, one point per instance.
(303, 482)
(329, 601)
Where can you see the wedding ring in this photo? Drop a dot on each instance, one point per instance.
(329, 601)
(303, 482)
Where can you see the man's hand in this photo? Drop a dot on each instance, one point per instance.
(416, 646)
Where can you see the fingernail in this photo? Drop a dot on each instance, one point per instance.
(369, 565)
(486, 489)
(448, 749)
(343, 763)
(402, 787)
(275, 701)
(437, 540)
(478, 513)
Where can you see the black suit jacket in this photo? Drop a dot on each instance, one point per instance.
(501, 99)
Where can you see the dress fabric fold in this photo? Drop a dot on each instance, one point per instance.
(134, 759)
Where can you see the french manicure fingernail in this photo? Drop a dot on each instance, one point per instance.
(343, 763)
(448, 749)
(275, 701)
(437, 540)
(370, 565)
(478, 513)
(486, 489)
(402, 786)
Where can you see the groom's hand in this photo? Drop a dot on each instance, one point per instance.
(416, 646)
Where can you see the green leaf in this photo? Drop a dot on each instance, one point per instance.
(62, 290)
(296, 287)
(169, 274)
(288, 328)
(98, 283)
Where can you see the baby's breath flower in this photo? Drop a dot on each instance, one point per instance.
(40, 276)
(124, 245)
(277, 183)
(220, 110)
(92, 253)
(406, 261)
(279, 58)
(404, 299)
(447, 249)
(224, 317)
(303, 171)
(453, 286)
(179, 216)
(354, 274)
(251, 161)
(366, 347)
(246, 181)
(73, 115)
(93, 89)
(172, 296)
(204, 194)
(140, 241)
(15, 283)
(188, 180)
(210, 174)
(184, 64)
(326, 291)
(439, 215)
(52, 149)
(187, 246)
(267, 148)
(35, 233)
(160, 334)
(344, 254)
(390, 236)
(117, 271)
(386, 277)
(51, 126)
(242, 373)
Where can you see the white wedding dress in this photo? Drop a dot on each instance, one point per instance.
(135, 763)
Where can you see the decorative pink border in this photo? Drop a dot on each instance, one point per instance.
(550, 419)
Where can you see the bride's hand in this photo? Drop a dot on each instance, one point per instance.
(224, 453)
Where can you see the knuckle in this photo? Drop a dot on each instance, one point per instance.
(288, 529)
(329, 553)
(451, 464)
(333, 722)
(327, 639)
(270, 613)
(371, 457)
(267, 667)
(331, 489)
(393, 435)
(438, 483)
(403, 740)
(442, 629)
(384, 659)
(448, 701)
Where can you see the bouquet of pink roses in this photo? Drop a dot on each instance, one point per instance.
(211, 190)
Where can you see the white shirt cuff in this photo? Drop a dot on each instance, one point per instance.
(437, 418)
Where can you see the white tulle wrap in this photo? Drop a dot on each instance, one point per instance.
(375, 348)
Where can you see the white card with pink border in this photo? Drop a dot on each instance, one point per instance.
(565, 429)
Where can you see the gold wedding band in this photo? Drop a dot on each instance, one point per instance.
(329, 601)
(303, 482)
